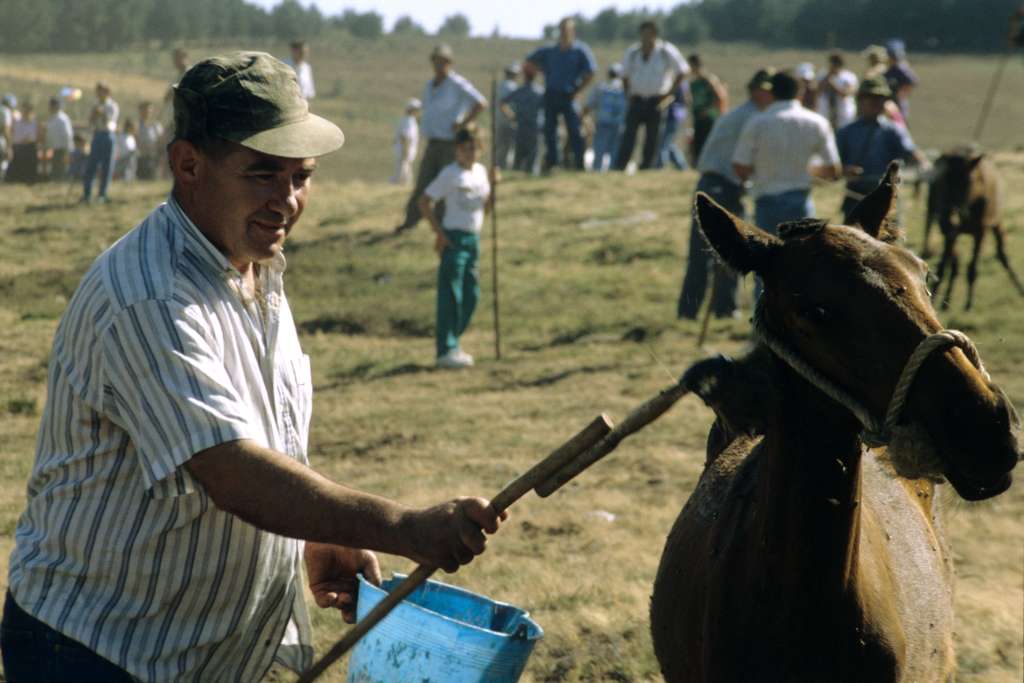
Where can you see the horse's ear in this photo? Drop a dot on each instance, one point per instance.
(741, 246)
(975, 160)
(876, 213)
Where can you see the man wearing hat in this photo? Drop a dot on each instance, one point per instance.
(719, 180)
(449, 103)
(407, 139)
(505, 128)
(868, 144)
(171, 487)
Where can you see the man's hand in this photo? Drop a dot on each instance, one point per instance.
(852, 171)
(452, 533)
(440, 242)
(332, 573)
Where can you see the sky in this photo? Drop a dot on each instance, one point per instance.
(516, 18)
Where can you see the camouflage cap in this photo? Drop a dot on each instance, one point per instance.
(253, 99)
(874, 87)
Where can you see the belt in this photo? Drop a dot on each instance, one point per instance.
(721, 178)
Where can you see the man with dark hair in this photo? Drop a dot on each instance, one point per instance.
(835, 93)
(653, 69)
(300, 62)
(171, 491)
(708, 100)
(901, 78)
(719, 180)
(568, 66)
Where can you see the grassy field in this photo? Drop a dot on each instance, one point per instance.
(590, 270)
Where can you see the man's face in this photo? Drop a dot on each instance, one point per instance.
(567, 30)
(870, 106)
(466, 154)
(247, 202)
(299, 53)
(441, 66)
(762, 98)
(647, 37)
(145, 111)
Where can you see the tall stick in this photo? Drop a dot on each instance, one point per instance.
(706, 321)
(494, 216)
(989, 97)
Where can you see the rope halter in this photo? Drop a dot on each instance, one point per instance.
(876, 432)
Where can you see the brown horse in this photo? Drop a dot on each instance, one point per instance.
(801, 556)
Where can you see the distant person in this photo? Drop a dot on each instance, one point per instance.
(150, 138)
(505, 128)
(675, 116)
(867, 145)
(8, 114)
(875, 57)
(300, 62)
(126, 153)
(450, 102)
(607, 106)
(58, 142)
(524, 106)
(901, 78)
(179, 58)
(775, 150)
(653, 69)
(708, 101)
(568, 66)
(79, 157)
(25, 137)
(807, 75)
(103, 121)
(718, 178)
(407, 141)
(465, 187)
(836, 88)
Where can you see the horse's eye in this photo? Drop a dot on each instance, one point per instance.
(816, 314)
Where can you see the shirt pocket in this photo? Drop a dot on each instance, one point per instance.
(297, 394)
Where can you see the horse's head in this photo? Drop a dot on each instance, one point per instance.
(853, 304)
(952, 177)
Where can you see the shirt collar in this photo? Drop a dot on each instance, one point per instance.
(783, 104)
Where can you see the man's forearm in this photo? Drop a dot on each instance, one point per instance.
(743, 171)
(285, 497)
(473, 113)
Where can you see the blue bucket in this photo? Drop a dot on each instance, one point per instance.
(441, 634)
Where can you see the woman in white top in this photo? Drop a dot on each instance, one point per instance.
(407, 137)
(466, 190)
(25, 145)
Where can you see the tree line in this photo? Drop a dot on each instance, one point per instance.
(106, 25)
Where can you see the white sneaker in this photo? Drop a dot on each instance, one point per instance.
(454, 359)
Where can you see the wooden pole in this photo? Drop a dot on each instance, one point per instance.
(494, 217)
(706, 321)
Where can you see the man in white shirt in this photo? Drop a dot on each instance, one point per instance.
(653, 69)
(59, 140)
(836, 93)
(407, 140)
(300, 62)
(171, 503)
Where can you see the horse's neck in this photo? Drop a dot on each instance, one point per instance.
(810, 488)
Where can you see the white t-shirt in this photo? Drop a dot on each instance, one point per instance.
(653, 76)
(846, 107)
(24, 132)
(464, 191)
(304, 72)
(59, 132)
(409, 129)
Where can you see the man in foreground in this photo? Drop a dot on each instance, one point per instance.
(171, 484)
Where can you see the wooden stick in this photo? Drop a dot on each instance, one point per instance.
(635, 421)
(494, 216)
(593, 433)
(705, 323)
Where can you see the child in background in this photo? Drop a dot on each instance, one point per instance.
(79, 157)
(151, 134)
(407, 137)
(127, 154)
(466, 190)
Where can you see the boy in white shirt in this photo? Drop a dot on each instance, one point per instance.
(466, 190)
(126, 153)
(407, 137)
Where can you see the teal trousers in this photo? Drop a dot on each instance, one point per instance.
(458, 288)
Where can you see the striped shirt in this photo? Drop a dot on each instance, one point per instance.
(779, 143)
(158, 357)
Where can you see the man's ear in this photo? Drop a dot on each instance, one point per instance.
(185, 160)
(740, 245)
(876, 213)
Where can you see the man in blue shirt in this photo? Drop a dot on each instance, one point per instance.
(568, 66)
(867, 145)
(607, 103)
(523, 107)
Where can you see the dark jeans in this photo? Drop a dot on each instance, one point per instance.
(700, 259)
(772, 209)
(439, 153)
(701, 130)
(101, 157)
(642, 111)
(35, 653)
(561, 104)
(526, 148)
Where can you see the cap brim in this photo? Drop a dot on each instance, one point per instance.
(314, 136)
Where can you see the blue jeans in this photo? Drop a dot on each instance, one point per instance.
(700, 258)
(458, 288)
(101, 156)
(772, 209)
(561, 104)
(670, 152)
(606, 144)
(34, 652)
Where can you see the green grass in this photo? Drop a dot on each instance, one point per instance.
(573, 300)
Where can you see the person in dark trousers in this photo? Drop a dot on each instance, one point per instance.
(653, 68)
(568, 66)
(719, 180)
(523, 107)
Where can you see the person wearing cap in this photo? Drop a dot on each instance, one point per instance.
(875, 57)
(653, 69)
(58, 141)
(775, 151)
(103, 120)
(708, 100)
(807, 76)
(607, 104)
(505, 128)
(835, 92)
(719, 180)
(868, 144)
(568, 66)
(524, 106)
(300, 62)
(171, 503)
(449, 102)
(407, 140)
(901, 78)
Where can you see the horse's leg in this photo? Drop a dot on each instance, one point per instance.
(949, 237)
(1000, 236)
(929, 217)
(972, 267)
(954, 270)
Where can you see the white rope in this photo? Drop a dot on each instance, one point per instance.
(876, 432)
